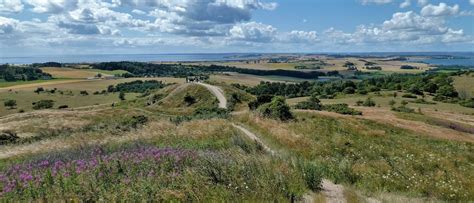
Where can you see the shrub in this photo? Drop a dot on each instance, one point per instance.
(312, 174)
(122, 96)
(467, 103)
(84, 92)
(341, 109)
(63, 107)
(38, 90)
(7, 137)
(276, 109)
(189, 100)
(369, 102)
(408, 67)
(10, 103)
(43, 104)
(261, 99)
(313, 103)
(349, 90)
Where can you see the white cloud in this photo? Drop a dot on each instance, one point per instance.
(366, 2)
(471, 2)
(11, 6)
(52, 6)
(297, 36)
(139, 12)
(440, 10)
(7, 25)
(408, 27)
(405, 4)
(252, 31)
(422, 2)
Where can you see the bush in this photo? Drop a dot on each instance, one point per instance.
(276, 109)
(341, 109)
(313, 103)
(43, 104)
(261, 99)
(349, 90)
(63, 107)
(312, 175)
(122, 96)
(84, 92)
(467, 103)
(189, 100)
(7, 137)
(369, 102)
(10, 103)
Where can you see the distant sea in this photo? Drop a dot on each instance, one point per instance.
(126, 57)
(435, 58)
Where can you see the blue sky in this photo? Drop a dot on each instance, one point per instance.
(52, 27)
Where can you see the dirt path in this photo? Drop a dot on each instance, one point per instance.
(218, 92)
(333, 193)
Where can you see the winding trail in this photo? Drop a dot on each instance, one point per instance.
(218, 92)
(333, 193)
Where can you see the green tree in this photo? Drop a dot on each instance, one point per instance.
(276, 109)
(122, 96)
(10, 103)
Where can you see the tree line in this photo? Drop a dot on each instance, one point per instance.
(11, 73)
(178, 70)
(439, 85)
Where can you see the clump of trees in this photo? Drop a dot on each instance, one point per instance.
(276, 109)
(368, 102)
(11, 73)
(439, 85)
(137, 86)
(179, 70)
(313, 103)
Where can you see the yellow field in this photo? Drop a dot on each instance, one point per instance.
(69, 73)
(464, 85)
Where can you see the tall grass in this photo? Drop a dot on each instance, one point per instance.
(375, 157)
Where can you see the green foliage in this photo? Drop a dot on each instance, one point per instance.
(341, 109)
(468, 103)
(22, 73)
(369, 102)
(122, 96)
(276, 109)
(403, 108)
(10, 103)
(189, 100)
(178, 70)
(43, 104)
(408, 67)
(261, 99)
(137, 86)
(313, 103)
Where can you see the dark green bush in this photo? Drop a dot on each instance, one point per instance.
(43, 104)
(341, 109)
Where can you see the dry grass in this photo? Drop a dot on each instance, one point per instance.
(465, 85)
(69, 73)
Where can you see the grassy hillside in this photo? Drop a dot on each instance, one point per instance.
(374, 157)
(174, 102)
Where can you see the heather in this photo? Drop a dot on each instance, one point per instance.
(146, 172)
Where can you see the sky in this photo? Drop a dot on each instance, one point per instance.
(68, 27)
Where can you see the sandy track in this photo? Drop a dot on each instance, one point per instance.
(218, 92)
(333, 193)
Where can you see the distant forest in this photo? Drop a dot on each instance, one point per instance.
(178, 70)
(20, 73)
